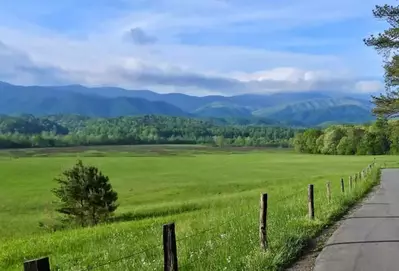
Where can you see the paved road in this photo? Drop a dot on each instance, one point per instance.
(369, 239)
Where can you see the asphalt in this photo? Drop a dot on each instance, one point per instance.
(369, 239)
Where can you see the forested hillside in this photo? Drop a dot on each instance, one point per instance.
(294, 108)
(381, 137)
(47, 101)
(73, 130)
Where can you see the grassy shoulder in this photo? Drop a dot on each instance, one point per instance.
(212, 198)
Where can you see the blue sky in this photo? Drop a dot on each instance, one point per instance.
(196, 47)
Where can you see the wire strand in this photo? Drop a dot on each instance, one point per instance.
(212, 228)
(189, 236)
(120, 259)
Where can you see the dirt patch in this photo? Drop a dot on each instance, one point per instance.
(307, 261)
(134, 150)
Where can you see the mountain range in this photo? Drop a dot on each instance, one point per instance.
(291, 108)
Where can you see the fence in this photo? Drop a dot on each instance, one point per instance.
(170, 252)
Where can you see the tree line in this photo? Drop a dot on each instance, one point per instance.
(381, 137)
(27, 131)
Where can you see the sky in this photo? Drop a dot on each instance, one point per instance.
(197, 47)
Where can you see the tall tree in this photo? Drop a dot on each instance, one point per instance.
(387, 44)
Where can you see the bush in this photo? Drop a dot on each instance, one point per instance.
(85, 195)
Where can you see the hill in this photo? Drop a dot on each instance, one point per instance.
(291, 108)
(191, 103)
(319, 111)
(47, 101)
(211, 194)
(315, 117)
(223, 110)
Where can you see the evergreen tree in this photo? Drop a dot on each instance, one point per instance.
(85, 195)
(387, 43)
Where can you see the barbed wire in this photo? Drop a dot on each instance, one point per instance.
(233, 219)
(193, 260)
(214, 245)
(293, 195)
(217, 226)
(93, 267)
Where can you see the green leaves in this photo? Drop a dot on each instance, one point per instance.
(387, 43)
(85, 195)
(148, 129)
(349, 139)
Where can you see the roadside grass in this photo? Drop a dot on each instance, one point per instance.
(212, 197)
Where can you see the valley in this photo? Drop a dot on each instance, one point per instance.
(211, 195)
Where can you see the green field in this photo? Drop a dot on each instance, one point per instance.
(212, 195)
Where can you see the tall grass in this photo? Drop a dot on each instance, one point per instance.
(213, 198)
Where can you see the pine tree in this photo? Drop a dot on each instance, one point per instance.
(85, 195)
(387, 43)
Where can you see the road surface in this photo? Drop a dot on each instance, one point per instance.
(369, 239)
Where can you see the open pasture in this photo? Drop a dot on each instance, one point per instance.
(213, 196)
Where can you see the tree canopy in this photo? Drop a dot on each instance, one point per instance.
(72, 130)
(387, 44)
(381, 137)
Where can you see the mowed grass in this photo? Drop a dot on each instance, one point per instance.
(212, 197)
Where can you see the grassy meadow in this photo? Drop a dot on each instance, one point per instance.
(212, 195)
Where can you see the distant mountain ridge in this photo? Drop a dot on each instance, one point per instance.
(297, 108)
(47, 101)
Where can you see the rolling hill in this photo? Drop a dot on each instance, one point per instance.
(316, 117)
(290, 108)
(223, 110)
(47, 101)
(312, 105)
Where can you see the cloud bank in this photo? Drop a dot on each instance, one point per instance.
(196, 47)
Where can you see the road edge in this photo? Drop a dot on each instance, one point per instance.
(307, 260)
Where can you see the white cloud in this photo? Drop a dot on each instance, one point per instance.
(369, 86)
(101, 57)
(290, 74)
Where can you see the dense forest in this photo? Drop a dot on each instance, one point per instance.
(73, 130)
(381, 137)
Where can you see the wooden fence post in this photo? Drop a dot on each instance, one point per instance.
(263, 222)
(311, 201)
(355, 178)
(169, 247)
(329, 192)
(342, 185)
(350, 183)
(42, 264)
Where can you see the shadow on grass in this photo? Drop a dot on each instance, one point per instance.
(135, 216)
(59, 224)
